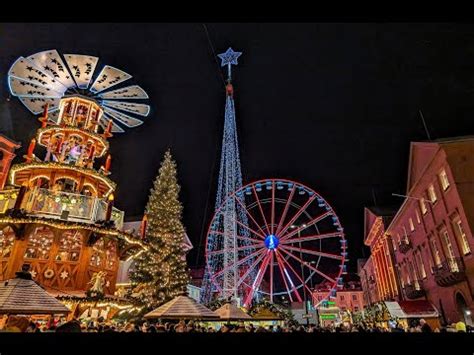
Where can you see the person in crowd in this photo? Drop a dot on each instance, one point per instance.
(425, 327)
(461, 327)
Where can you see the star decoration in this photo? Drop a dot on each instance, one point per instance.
(229, 57)
(33, 273)
(64, 275)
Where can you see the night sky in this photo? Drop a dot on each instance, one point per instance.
(333, 106)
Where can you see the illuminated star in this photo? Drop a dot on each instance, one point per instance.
(33, 273)
(64, 275)
(229, 57)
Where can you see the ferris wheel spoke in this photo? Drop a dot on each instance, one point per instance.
(282, 272)
(250, 215)
(217, 252)
(297, 276)
(285, 211)
(306, 225)
(248, 228)
(260, 208)
(241, 237)
(259, 278)
(309, 238)
(251, 267)
(298, 213)
(272, 222)
(240, 262)
(312, 252)
(308, 265)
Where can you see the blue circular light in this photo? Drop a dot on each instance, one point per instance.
(271, 242)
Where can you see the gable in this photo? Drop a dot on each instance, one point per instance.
(421, 154)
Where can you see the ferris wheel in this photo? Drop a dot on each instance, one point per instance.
(287, 241)
(42, 79)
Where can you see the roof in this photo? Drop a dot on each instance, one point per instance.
(419, 308)
(412, 309)
(383, 211)
(230, 311)
(22, 296)
(182, 307)
(265, 314)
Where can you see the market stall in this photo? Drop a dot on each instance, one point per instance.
(22, 297)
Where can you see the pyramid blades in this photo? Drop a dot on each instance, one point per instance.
(82, 68)
(129, 92)
(104, 121)
(108, 77)
(24, 69)
(36, 105)
(138, 109)
(19, 87)
(123, 118)
(50, 62)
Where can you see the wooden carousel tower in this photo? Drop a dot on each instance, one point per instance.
(57, 210)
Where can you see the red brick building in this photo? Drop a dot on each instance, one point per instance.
(431, 234)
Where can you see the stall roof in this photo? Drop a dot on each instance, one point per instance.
(230, 311)
(412, 309)
(420, 308)
(182, 307)
(24, 296)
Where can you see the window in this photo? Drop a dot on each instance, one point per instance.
(405, 234)
(466, 249)
(354, 297)
(342, 298)
(110, 254)
(432, 193)
(436, 255)
(449, 248)
(418, 219)
(421, 264)
(39, 244)
(70, 245)
(97, 253)
(7, 238)
(443, 178)
(407, 273)
(401, 273)
(412, 226)
(104, 253)
(423, 205)
(430, 261)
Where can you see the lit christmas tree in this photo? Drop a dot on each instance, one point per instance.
(160, 273)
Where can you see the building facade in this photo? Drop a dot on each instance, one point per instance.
(348, 299)
(366, 273)
(378, 275)
(431, 234)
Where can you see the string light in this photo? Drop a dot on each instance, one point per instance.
(92, 136)
(55, 165)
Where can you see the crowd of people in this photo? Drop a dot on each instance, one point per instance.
(196, 327)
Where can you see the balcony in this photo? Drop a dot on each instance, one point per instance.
(66, 206)
(450, 272)
(405, 246)
(414, 290)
